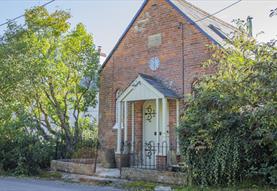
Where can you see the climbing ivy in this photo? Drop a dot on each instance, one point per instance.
(229, 127)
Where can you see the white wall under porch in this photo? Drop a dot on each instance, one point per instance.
(158, 127)
(154, 116)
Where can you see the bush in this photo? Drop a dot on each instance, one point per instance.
(86, 145)
(24, 153)
(229, 129)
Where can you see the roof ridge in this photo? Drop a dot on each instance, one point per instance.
(226, 24)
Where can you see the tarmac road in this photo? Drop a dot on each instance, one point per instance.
(29, 184)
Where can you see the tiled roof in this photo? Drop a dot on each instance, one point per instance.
(158, 85)
(216, 29)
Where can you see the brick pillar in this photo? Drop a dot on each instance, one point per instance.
(122, 160)
(161, 162)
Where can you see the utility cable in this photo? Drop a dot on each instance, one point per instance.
(223, 9)
(11, 20)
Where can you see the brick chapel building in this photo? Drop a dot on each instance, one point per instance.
(145, 78)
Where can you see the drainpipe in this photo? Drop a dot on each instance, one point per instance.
(181, 26)
(249, 26)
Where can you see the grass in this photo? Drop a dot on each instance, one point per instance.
(148, 186)
(225, 189)
(140, 186)
(50, 175)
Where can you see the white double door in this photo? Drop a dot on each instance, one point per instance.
(151, 135)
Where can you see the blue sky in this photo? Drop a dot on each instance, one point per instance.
(107, 19)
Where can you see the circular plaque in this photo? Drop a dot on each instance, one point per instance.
(154, 63)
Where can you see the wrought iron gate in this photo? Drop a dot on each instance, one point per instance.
(146, 155)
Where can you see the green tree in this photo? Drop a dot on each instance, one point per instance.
(229, 128)
(48, 72)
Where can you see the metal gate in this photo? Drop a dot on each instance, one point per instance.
(146, 155)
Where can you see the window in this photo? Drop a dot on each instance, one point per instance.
(194, 87)
(117, 109)
(117, 93)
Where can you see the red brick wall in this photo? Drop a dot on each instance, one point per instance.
(138, 125)
(138, 116)
(132, 56)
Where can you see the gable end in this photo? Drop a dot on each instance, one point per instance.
(184, 15)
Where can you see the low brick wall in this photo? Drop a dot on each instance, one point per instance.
(166, 177)
(75, 166)
(82, 161)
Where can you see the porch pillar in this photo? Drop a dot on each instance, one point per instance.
(133, 127)
(177, 124)
(119, 127)
(125, 126)
(157, 121)
(164, 124)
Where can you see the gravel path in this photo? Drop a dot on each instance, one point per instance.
(29, 184)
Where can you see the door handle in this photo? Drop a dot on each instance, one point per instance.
(155, 133)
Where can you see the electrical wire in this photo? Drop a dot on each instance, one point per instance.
(223, 9)
(11, 20)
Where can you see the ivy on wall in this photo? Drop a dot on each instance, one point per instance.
(229, 128)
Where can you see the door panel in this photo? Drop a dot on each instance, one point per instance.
(150, 133)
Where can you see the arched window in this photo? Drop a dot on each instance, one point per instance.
(117, 109)
(194, 86)
(117, 93)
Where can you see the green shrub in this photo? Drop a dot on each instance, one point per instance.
(229, 128)
(24, 153)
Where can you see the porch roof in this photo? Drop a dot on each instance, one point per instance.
(146, 87)
(158, 85)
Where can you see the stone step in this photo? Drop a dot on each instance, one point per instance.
(107, 172)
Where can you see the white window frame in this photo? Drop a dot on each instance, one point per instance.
(118, 110)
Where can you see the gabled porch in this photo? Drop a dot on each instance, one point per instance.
(146, 118)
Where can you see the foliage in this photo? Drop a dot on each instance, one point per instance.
(23, 152)
(248, 188)
(88, 144)
(49, 72)
(229, 128)
(139, 185)
(48, 83)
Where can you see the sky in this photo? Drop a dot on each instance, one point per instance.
(107, 19)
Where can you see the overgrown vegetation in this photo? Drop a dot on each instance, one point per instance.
(23, 153)
(48, 82)
(229, 128)
(139, 185)
(253, 188)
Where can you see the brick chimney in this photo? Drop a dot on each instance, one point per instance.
(99, 50)
(249, 26)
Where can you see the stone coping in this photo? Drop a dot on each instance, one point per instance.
(166, 177)
(82, 161)
(75, 166)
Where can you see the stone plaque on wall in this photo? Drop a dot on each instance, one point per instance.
(154, 40)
